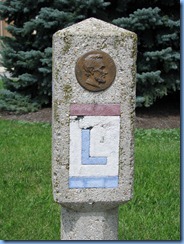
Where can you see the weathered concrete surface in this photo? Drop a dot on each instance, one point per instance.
(93, 201)
(68, 45)
(89, 225)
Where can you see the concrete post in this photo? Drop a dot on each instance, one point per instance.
(77, 225)
(93, 126)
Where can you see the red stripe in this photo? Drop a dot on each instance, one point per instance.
(95, 109)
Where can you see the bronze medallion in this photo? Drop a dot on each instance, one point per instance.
(95, 71)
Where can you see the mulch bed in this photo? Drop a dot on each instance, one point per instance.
(164, 114)
(144, 118)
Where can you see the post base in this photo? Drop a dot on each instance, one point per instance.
(89, 225)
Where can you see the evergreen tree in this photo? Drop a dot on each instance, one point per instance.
(27, 53)
(158, 28)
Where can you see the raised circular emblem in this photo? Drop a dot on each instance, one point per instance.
(95, 71)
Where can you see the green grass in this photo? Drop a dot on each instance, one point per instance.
(154, 211)
(27, 209)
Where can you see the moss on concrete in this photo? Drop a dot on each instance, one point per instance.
(67, 92)
(68, 41)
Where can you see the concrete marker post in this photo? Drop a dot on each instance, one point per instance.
(93, 127)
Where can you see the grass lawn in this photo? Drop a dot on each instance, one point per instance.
(154, 211)
(27, 209)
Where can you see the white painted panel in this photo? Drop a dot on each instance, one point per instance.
(104, 142)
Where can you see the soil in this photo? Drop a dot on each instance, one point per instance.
(164, 114)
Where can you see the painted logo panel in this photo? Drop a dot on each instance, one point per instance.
(94, 150)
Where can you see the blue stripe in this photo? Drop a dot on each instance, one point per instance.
(86, 159)
(93, 182)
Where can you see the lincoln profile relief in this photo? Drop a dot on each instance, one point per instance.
(95, 71)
